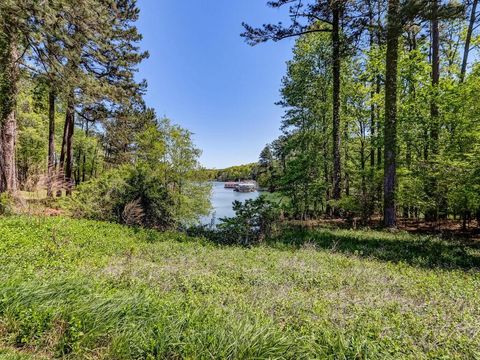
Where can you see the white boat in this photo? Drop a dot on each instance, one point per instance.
(246, 187)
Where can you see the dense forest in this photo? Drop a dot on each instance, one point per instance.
(73, 119)
(381, 110)
(380, 98)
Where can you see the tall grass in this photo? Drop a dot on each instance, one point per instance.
(83, 289)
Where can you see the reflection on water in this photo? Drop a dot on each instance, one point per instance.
(222, 200)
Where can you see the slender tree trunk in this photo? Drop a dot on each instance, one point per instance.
(326, 174)
(94, 157)
(51, 142)
(84, 167)
(378, 91)
(69, 144)
(347, 158)
(390, 128)
(61, 165)
(468, 40)
(379, 127)
(77, 172)
(372, 134)
(412, 94)
(8, 121)
(434, 112)
(372, 96)
(374, 119)
(432, 213)
(365, 202)
(336, 64)
(84, 162)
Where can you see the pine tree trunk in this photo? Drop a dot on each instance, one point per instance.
(390, 128)
(8, 171)
(432, 191)
(379, 130)
(468, 40)
(372, 96)
(84, 162)
(8, 121)
(326, 172)
(434, 112)
(51, 142)
(336, 64)
(61, 165)
(69, 144)
(365, 209)
(374, 119)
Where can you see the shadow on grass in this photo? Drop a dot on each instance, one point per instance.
(422, 251)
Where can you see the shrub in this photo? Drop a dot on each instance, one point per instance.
(6, 204)
(153, 197)
(136, 195)
(100, 198)
(254, 221)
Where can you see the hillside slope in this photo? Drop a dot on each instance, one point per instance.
(83, 289)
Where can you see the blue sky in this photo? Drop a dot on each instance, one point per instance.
(203, 76)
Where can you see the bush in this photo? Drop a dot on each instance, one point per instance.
(156, 202)
(134, 195)
(6, 204)
(254, 221)
(347, 207)
(100, 198)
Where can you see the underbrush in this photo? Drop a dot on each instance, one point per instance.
(84, 289)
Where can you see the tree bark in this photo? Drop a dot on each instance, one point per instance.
(434, 112)
(336, 64)
(51, 142)
(70, 116)
(8, 121)
(432, 213)
(372, 36)
(373, 191)
(8, 171)
(468, 40)
(63, 150)
(390, 128)
(84, 162)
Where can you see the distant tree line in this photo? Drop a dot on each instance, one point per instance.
(381, 110)
(233, 173)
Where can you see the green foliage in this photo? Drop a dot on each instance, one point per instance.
(254, 221)
(100, 198)
(73, 288)
(158, 190)
(88, 156)
(32, 143)
(157, 205)
(299, 162)
(266, 173)
(6, 204)
(234, 173)
(347, 207)
(434, 175)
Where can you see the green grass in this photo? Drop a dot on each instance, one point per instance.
(90, 290)
(13, 354)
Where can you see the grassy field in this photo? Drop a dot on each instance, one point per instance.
(89, 290)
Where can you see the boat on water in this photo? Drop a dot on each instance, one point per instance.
(246, 187)
(231, 185)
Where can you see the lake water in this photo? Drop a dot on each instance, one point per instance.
(222, 200)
